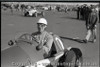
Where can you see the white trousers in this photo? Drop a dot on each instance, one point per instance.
(91, 33)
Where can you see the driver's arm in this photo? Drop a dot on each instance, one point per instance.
(49, 42)
(46, 43)
(58, 55)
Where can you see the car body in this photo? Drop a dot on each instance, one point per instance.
(33, 12)
(23, 54)
(45, 8)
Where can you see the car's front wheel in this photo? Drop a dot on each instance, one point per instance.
(26, 14)
(73, 58)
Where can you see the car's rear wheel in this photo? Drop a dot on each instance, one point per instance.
(70, 59)
(73, 58)
(79, 57)
(79, 62)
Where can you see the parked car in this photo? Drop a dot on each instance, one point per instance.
(45, 8)
(33, 13)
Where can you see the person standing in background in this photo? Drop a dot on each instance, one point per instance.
(87, 12)
(11, 8)
(78, 12)
(91, 26)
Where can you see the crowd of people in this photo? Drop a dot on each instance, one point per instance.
(83, 11)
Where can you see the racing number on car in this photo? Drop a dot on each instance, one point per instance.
(59, 42)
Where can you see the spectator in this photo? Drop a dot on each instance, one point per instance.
(91, 26)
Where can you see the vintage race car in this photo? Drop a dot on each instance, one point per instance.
(23, 53)
(45, 8)
(33, 13)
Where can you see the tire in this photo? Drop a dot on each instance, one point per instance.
(79, 62)
(26, 14)
(70, 59)
(79, 57)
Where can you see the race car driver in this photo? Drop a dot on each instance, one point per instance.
(45, 41)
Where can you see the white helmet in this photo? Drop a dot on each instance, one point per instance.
(43, 21)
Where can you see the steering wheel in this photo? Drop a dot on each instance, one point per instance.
(26, 38)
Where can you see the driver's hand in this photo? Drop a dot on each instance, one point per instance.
(39, 47)
(36, 39)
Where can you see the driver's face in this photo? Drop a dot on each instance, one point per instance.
(41, 27)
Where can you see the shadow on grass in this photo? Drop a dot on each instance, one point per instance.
(73, 18)
(73, 39)
(67, 17)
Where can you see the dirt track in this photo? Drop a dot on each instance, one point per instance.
(60, 23)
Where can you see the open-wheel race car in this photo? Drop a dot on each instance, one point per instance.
(23, 53)
(33, 13)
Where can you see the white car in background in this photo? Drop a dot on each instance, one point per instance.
(33, 12)
(45, 8)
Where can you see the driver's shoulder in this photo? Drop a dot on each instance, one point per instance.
(50, 34)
